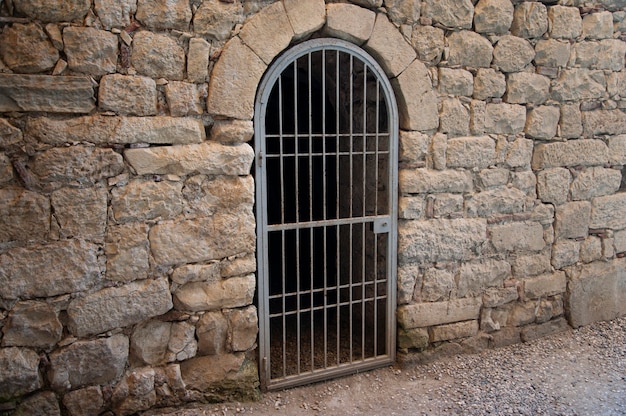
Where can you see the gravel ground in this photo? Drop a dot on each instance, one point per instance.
(578, 372)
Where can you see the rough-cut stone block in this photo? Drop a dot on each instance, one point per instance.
(572, 220)
(32, 324)
(81, 213)
(201, 372)
(25, 215)
(565, 253)
(530, 20)
(142, 200)
(604, 122)
(268, 32)
(512, 54)
(411, 207)
(6, 170)
(469, 152)
(417, 101)
(496, 201)
(617, 149)
(20, 372)
(553, 185)
(454, 331)
(475, 277)
(579, 84)
(552, 53)
(117, 307)
(493, 16)
(518, 154)
(222, 235)
(198, 60)
(90, 51)
(196, 273)
(598, 25)
(437, 285)
(50, 270)
(611, 55)
(40, 404)
(349, 22)
(447, 204)
(532, 332)
(158, 56)
(136, 392)
(115, 13)
(207, 158)
(388, 46)
(88, 362)
(565, 22)
(205, 195)
(46, 93)
(440, 240)
(54, 10)
(596, 292)
(449, 13)
(494, 297)
(530, 265)
(428, 42)
(518, 236)
(305, 16)
(212, 333)
(434, 181)
(88, 400)
(591, 249)
(620, 241)
(9, 134)
(505, 118)
(417, 338)
(524, 87)
(595, 181)
(421, 315)
(542, 121)
(609, 212)
(493, 178)
(469, 49)
(184, 98)
(215, 19)
(244, 326)
(27, 49)
(414, 147)
(545, 285)
(156, 342)
(128, 95)
(234, 81)
(164, 14)
(477, 117)
(232, 131)
(454, 118)
(488, 83)
(571, 121)
(570, 153)
(127, 252)
(456, 82)
(616, 83)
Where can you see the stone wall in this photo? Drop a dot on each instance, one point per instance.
(127, 232)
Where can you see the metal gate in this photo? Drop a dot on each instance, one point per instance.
(326, 172)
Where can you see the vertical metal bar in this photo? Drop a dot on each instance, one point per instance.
(351, 199)
(297, 198)
(324, 216)
(311, 232)
(337, 211)
(376, 167)
(364, 211)
(282, 220)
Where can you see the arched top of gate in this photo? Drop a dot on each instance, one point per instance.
(246, 57)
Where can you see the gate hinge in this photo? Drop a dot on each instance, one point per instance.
(260, 158)
(381, 225)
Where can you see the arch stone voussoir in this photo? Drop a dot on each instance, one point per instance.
(389, 48)
(417, 100)
(306, 16)
(268, 32)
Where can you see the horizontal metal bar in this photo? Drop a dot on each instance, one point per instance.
(326, 223)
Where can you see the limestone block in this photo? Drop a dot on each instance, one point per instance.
(596, 292)
(595, 181)
(184, 98)
(522, 313)
(455, 118)
(505, 118)
(609, 212)
(475, 277)
(268, 32)
(542, 121)
(212, 333)
(136, 392)
(512, 54)
(494, 297)
(519, 153)
(49, 270)
(524, 87)
(428, 42)
(128, 95)
(25, 48)
(447, 204)
(530, 20)
(189, 241)
(417, 338)
(620, 241)
(585, 54)
(437, 285)
(46, 93)
(616, 84)
(205, 195)
(611, 55)
(81, 213)
(403, 12)
(238, 265)
(456, 82)
(232, 131)
(115, 13)
(25, 215)
(572, 220)
(9, 135)
(432, 181)
(591, 249)
(496, 201)
(571, 153)
(553, 185)
(349, 22)
(545, 285)
(127, 252)
(493, 178)
(578, 84)
(54, 10)
(604, 122)
(88, 362)
(493, 16)
(477, 117)
(42, 403)
(244, 326)
(420, 315)
(20, 372)
(305, 16)
(564, 22)
(565, 253)
(387, 45)
(77, 165)
(233, 292)
(156, 342)
(518, 236)
(525, 181)
(437, 151)
(234, 81)
(158, 56)
(530, 265)
(117, 307)
(469, 49)
(612, 5)
(617, 149)
(198, 60)
(598, 25)
(552, 52)
(506, 336)
(6, 170)
(207, 158)
(164, 14)
(368, 3)
(108, 130)
(469, 152)
(571, 121)
(196, 273)
(532, 332)
(90, 51)
(449, 13)
(215, 19)
(440, 240)
(32, 324)
(409, 283)
(201, 373)
(488, 83)
(414, 147)
(411, 207)
(454, 331)
(417, 101)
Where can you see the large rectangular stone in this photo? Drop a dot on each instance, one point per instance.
(609, 212)
(421, 315)
(415, 181)
(518, 236)
(604, 122)
(25, 215)
(454, 331)
(471, 152)
(545, 285)
(46, 93)
(570, 153)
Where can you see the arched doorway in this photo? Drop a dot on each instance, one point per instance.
(326, 134)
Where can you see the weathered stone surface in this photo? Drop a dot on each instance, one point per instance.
(525, 181)
(578, 84)
(455, 118)
(596, 292)
(128, 95)
(305, 16)
(44, 403)
(617, 149)
(81, 213)
(565, 22)
(184, 98)
(489, 83)
(232, 131)
(493, 178)
(196, 273)
(604, 122)
(595, 181)
(456, 82)
(215, 19)
(115, 13)
(234, 81)
(532, 332)
(609, 212)
(212, 333)
(9, 134)
(598, 25)
(27, 49)
(504, 118)
(164, 14)
(470, 152)
(437, 285)
(202, 372)
(494, 297)
(46, 93)
(428, 41)
(77, 165)
(118, 307)
(136, 392)
(142, 200)
(585, 54)
(454, 331)
(54, 10)
(530, 265)
(6, 171)
(440, 240)
(620, 241)
(517, 154)
(433, 181)
(616, 84)
(496, 201)
(411, 207)
(90, 51)
(447, 204)
(49, 270)
(109, 130)
(417, 338)
(25, 215)
(421, 315)
(244, 326)
(209, 296)
(20, 372)
(198, 60)
(238, 265)
(522, 313)
(206, 158)
(469, 49)
(553, 185)
(388, 46)
(545, 285)
(413, 147)
(127, 252)
(552, 52)
(477, 117)
(156, 342)
(449, 13)
(268, 32)
(417, 105)
(158, 56)
(88, 362)
(403, 11)
(205, 195)
(518, 236)
(611, 55)
(571, 121)
(32, 324)
(542, 122)
(591, 249)
(572, 220)
(570, 153)
(493, 16)
(349, 22)
(524, 87)
(530, 20)
(475, 277)
(512, 54)
(565, 253)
